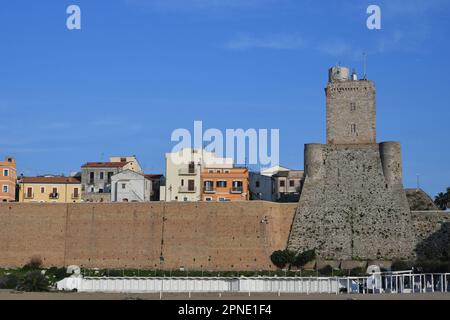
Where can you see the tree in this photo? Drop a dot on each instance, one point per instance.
(303, 258)
(442, 200)
(33, 281)
(279, 259)
(282, 258)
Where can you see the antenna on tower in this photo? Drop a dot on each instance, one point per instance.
(365, 65)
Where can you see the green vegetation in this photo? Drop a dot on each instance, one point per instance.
(442, 200)
(34, 281)
(304, 257)
(289, 258)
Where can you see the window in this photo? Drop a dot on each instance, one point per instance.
(124, 185)
(102, 175)
(110, 174)
(191, 185)
(353, 106)
(221, 184)
(91, 177)
(282, 183)
(185, 199)
(257, 184)
(209, 186)
(29, 192)
(5, 189)
(42, 189)
(192, 167)
(92, 189)
(123, 159)
(6, 172)
(208, 199)
(76, 193)
(353, 128)
(291, 183)
(222, 199)
(218, 171)
(211, 171)
(182, 182)
(55, 190)
(100, 190)
(227, 171)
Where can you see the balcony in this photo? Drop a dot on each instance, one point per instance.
(188, 171)
(209, 190)
(184, 189)
(53, 196)
(237, 190)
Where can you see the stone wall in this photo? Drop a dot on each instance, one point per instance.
(432, 232)
(348, 209)
(209, 236)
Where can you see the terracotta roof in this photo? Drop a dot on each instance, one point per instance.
(55, 180)
(153, 176)
(104, 165)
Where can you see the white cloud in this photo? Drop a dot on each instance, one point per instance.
(273, 41)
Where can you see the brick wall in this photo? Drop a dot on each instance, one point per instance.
(212, 236)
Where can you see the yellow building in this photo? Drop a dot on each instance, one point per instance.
(49, 189)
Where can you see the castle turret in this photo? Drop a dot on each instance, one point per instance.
(391, 160)
(314, 161)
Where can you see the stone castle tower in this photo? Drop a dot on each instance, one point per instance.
(352, 205)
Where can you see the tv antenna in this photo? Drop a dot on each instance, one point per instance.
(365, 65)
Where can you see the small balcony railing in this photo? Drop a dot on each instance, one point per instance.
(188, 171)
(237, 190)
(209, 190)
(187, 190)
(53, 196)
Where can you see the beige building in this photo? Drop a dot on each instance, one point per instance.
(132, 162)
(183, 173)
(49, 189)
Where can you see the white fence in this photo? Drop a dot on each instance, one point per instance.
(379, 283)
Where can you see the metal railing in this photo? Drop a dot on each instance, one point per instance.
(237, 190)
(186, 189)
(375, 284)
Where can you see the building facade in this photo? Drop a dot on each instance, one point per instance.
(278, 184)
(183, 173)
(96, 180)
(130, 186)
(288, 185)
(49, 189)
(96, 177)
(132, 162)
(8, 180)
(225, 184)
(261, 187)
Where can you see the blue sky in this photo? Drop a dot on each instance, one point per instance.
(139, 69)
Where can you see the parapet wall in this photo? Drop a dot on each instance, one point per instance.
(209, 236)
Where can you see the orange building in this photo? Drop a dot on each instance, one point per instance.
(228, 184)
(8, 177)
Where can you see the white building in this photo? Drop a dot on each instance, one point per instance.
(183, 173)
(273, 184)
(261, 187)
(130, 186)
